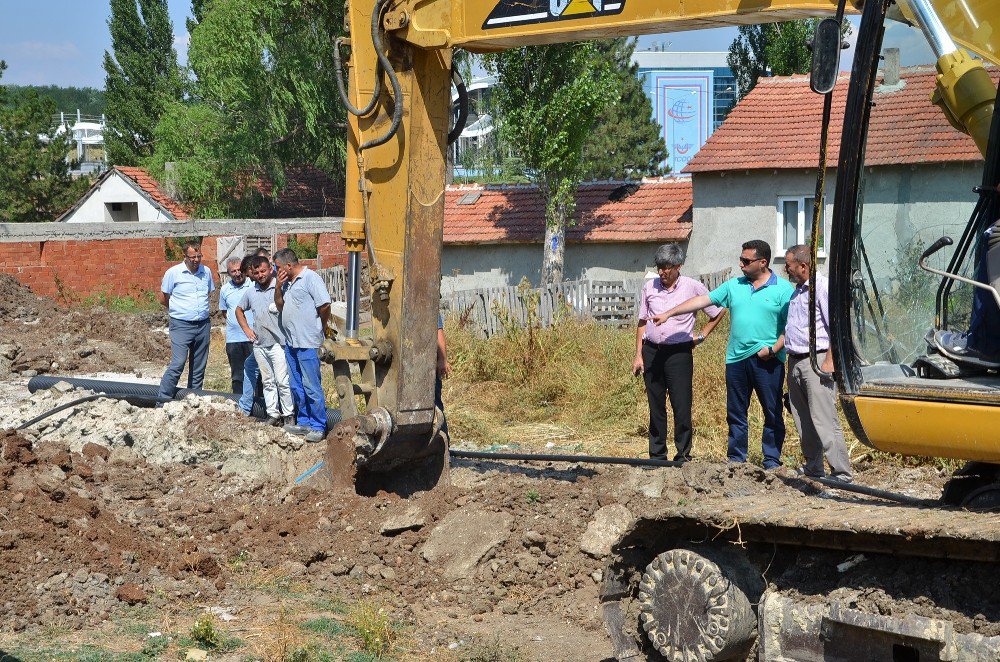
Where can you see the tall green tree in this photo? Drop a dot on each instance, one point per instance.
(141, 77)
(547, 100)
(781, 49)
(262, 98)
(626, 142)
(35, 184)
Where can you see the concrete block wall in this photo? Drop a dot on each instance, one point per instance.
(73, 269)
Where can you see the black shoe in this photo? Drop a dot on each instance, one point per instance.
(276, 421)
(289, 419)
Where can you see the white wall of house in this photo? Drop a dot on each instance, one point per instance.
(116, 201)
(902, 203)
(468, 267)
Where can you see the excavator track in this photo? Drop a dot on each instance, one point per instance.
(747, 564)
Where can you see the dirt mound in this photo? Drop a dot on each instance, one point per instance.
(37, 336)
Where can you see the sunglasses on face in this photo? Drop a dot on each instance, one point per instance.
(746, 261)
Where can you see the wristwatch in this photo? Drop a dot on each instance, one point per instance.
(700, 338)
(770, 350)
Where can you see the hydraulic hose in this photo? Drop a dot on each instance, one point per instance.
(397, 90)
(463, 106)
(344, 99)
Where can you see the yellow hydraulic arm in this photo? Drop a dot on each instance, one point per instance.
(399, 73)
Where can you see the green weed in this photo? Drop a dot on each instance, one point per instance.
(205, 632)
(532, 496)
(373, 630)
(326, 627)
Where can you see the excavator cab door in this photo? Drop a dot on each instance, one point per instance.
(906, 178)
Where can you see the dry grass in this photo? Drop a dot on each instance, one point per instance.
(571, 387)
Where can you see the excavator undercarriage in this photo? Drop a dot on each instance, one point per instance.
(780, 568)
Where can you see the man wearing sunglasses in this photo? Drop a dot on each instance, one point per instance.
(758, 303)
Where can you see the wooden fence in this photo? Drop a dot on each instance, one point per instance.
(613, 303)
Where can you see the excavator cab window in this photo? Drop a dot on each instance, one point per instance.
(914, 198)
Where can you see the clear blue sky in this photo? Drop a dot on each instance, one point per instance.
(62, 42)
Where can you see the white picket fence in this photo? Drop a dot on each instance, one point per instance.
(607, 302)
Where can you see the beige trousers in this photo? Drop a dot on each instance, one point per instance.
(814, 408)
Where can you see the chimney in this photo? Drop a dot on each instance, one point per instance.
(890, 68)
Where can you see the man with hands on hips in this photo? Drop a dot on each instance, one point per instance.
(663, 351)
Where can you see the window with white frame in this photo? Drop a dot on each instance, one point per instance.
(795, 215)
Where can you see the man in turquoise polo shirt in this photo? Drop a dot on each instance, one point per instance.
(758, 303)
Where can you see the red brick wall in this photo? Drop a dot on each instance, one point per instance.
(73, 269)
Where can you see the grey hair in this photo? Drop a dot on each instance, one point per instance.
(234, 260)
(286, 256)
(669, 255)
(801, 253)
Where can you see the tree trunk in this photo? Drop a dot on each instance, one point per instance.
(554, 249)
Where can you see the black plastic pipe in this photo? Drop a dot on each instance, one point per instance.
(143, 395)
(545, 457)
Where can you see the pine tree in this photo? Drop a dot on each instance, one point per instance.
(35, 184)
(142, 77)
(626, 142)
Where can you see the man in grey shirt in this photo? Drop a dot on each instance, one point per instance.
(304, 302)
(268, 340)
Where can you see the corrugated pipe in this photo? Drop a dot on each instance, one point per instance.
(142, 395)
(148, 395)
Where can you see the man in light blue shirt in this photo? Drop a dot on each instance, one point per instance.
(758, 303)
(184, 292)
(304, 302)
(239, 349)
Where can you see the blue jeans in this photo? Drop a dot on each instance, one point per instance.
(250, 373)
(307, 387)
(189, 346)
(983, 336)
(766, 379)
(439, 402)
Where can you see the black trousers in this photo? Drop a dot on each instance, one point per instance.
(237, 353)
(668, 371)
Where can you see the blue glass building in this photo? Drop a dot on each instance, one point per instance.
(691, 94)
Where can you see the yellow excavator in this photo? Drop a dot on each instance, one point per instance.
(904, 318)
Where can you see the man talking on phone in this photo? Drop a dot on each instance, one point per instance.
(663, 352)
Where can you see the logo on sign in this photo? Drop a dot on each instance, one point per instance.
(682, 111)
(683, 148)
(522, 12)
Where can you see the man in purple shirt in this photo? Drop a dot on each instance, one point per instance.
(812, 397)
(663, 352)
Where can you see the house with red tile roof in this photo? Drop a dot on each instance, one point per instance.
(493, 234)
(124, 194)
(755, 177)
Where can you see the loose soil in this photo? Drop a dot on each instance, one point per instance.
(38, 336)
(117, 520)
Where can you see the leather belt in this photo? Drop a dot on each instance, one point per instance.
(805, 354)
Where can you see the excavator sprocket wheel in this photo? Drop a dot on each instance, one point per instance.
(691, 609)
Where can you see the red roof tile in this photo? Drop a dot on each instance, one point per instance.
(651, 210)
(777, 125)
(308, 192)
(152, 188)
